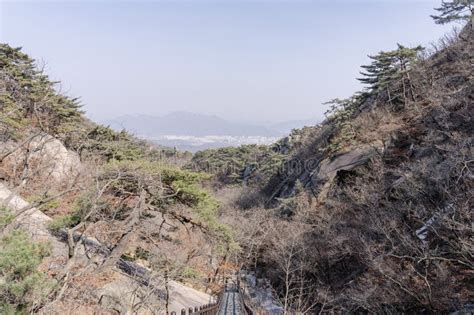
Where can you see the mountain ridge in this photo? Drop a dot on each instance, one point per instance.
(183, 123)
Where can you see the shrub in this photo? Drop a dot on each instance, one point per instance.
(22, 283)
(64, 221)
(112, 145)
(25, 87)
(237, 165)
(188, 273)
(6, 217)
(45, 207)
(164, 186)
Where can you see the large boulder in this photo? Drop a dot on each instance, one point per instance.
(182, 296)
(328, 168)
(346, 161)
(123, 294)
(45, 156)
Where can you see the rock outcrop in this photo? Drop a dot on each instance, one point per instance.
(46, 157)
(344, 161)
(31, 220)
(121, 292)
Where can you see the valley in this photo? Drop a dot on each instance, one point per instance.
(366, 212)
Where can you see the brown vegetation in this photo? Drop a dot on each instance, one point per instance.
(391, 233)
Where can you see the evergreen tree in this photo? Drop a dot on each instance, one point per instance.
(455, 10)
(389, 72)
(380, 72)
(341, 112)
(28, 96)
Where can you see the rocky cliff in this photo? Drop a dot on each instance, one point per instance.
(371, 210)
(93, 220)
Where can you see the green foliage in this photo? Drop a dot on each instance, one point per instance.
(389, 75)
(29, 98)
(51, 205)
(11, 120)
(98, 140)
(64, 221)
(173, 269)
(341, 113)
(139, 253)
(166, 185)
(160, 179)
(22, 284)
(188, 273)
(80, 208)
(454, 11)
(6, 217)
(113, 145)
(389, 72)
(233, 164)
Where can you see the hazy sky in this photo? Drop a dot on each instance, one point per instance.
(246, 60)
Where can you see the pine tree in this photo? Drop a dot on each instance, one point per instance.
(340, 112)
(30, 96)
(380, 72)
(405, 57)
(455, 10)
(389, 72)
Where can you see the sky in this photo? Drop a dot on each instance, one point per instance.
(241, 60)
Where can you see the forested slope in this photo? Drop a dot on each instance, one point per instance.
(81, 204)
(367, 212)
(371, 211)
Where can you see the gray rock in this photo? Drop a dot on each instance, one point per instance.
(49, 155)
(345, 161)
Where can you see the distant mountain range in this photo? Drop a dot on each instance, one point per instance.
(190, 131)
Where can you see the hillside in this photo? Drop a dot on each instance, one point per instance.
(93, 220)
(369, 211)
